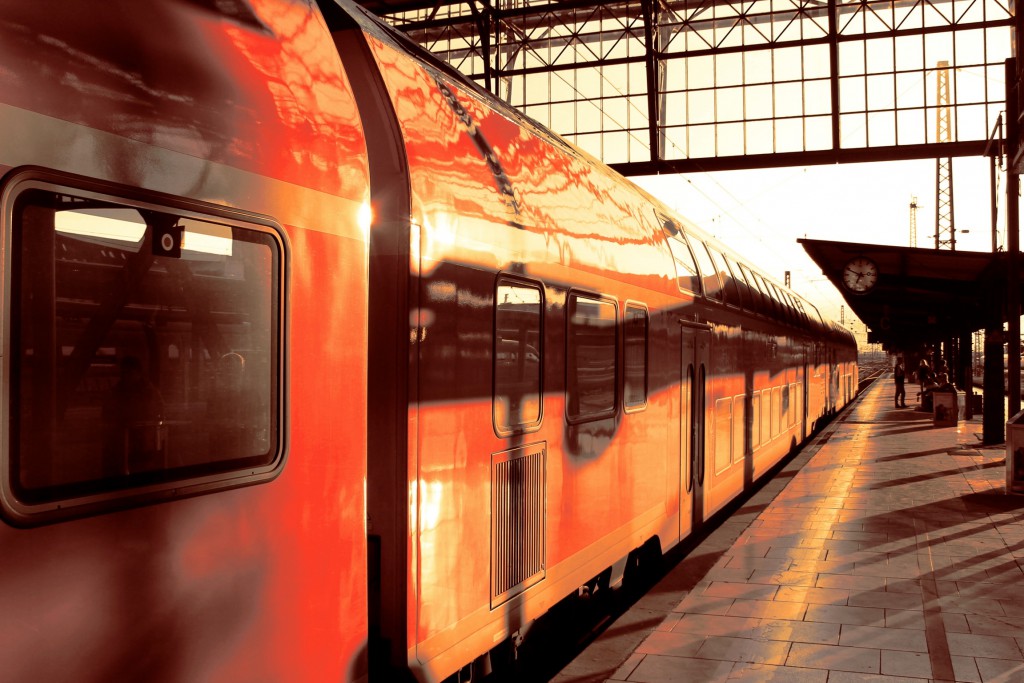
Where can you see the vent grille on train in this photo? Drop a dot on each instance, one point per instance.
(517, 521)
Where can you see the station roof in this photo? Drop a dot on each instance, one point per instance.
(921, 295)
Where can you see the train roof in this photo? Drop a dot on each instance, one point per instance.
(342, 13)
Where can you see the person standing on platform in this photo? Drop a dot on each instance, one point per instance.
(899, 375)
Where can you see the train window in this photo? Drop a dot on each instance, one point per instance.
(771, 305)
(687, 277)
(737, 282)
(732, 291)
(766, 416)
(788, 298)
(786, 419)
(757, 301)
(777, 411)
(590, 354)
(781, 301)
(755, 420)
(146, 351)
(635, 332)
(518, 311)
(723, 434)
(710, 279)
(801, 312)
(739, 418)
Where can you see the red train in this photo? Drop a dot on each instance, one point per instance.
(317, 357)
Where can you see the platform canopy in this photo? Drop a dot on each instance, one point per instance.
(914, 296)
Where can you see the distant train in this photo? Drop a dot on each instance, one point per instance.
(319, 363)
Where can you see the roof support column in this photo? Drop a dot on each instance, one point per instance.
(652, 39)
(1012, 239)
(833, 59)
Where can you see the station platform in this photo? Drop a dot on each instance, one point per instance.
(886, 551)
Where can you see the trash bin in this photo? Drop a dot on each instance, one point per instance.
(1015, 454)
(944, 409)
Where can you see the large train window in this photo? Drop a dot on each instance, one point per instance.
(635, 332)
(771, 306)
(757, 302)
(710, 278)
(591, 352)
(687, 277)
(518, 312)
(732, 290)
(145, 351)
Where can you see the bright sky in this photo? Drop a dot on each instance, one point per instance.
(761, 214)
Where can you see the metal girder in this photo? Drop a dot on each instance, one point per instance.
(678, 118)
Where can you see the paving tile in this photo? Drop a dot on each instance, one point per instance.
(848, 677)
(1000, 671)
(970, 606)
(965, 670)
(916, 664)
(627, 667)
(671, 643)
(727, 648)
(883, 638)
(768, 673)
(703, 604)
(852, 582)
(887, 600)
(842, 614)
(754, 563)
(797, 553)
(797, 631)
(811, 595)
(955, 623)
(737, 575)
(669, 622)
(662, 669)
(784, 578)
(895, 585)
(748, 591)
(835, 657)
(995, 625)
(974, 645)
(901, 618)
(715, 625)
(767, 609)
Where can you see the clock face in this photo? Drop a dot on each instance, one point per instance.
(860, 275)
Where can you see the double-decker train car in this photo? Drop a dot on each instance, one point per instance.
(320, 364)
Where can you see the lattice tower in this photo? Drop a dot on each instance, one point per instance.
(945, 230)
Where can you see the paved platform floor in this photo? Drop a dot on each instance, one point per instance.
(890, 554)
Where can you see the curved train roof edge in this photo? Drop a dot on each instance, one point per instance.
(338, 13)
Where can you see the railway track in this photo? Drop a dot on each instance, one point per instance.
(870, 371)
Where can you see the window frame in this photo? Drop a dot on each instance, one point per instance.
(572, 296)
(522, 427)
(633, 306)
(19, 510)
(704, 260)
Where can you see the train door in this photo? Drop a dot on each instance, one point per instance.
(693, 361)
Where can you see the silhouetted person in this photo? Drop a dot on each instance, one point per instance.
(924, 374)
(899, 375)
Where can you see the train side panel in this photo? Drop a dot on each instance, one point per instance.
(229, 118)
(487, 226)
